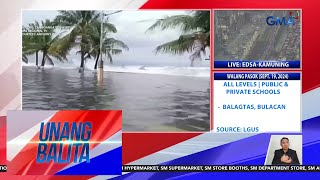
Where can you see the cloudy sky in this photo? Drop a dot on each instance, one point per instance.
(131, 27)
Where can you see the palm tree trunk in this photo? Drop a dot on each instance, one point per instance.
(43, 58)
(82, 62)
(37, 58)
(191, 64)
(97, 59)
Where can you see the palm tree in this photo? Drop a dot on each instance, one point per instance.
(27, 40)
(113, 46)
(44, 42)
(80, 23)
(110, 46)
(196, 37)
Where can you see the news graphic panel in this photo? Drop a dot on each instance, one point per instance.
(156, 71)
(256, 102)
(66, 142)
(153, 65)
(261, 39)
(284, 150)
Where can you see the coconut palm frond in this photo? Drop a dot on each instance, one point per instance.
(108, 27)
(110, 46)
(62, 45)
(196, 24)
(179, 46)
(109, 57)
(49, 60)
(115, 51)
(115, 43)
(82, 24)
(61, 57)
(186, 23)
(28, 52)
(202, 19)
(66, 18)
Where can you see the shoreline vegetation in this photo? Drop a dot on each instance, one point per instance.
(81, 30)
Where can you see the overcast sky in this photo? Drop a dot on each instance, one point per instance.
(132, 31)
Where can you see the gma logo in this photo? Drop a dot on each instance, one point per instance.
(271, 21)
(286, 21)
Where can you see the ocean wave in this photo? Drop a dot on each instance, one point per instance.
(164, 70)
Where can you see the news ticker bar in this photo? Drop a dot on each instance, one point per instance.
(216, 168)
(3, 168)
(212, 168)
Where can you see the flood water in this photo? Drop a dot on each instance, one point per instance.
(149, 102)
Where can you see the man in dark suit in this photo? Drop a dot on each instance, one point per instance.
(285, 156)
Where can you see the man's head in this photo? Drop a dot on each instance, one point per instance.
(284, 142)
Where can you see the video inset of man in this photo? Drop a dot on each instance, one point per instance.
(284, 150)
(285, 155)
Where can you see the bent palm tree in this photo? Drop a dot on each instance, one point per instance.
(196, 29)
(110, 46)
(44, 42)
(113, 46)
(80, 23)
(27, 39)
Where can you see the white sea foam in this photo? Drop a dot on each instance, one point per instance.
(165, 70)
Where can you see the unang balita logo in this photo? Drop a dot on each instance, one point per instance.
(285, 21)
